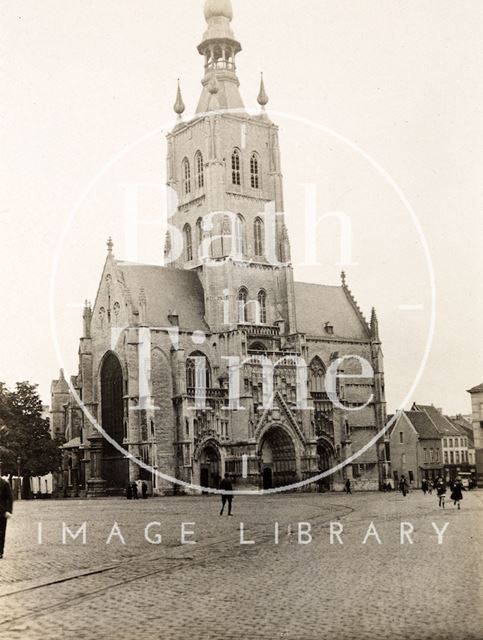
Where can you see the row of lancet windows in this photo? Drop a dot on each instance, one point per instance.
(236, 172)
(239, 236)
(199, 174)
(260, 305)
(198, 373)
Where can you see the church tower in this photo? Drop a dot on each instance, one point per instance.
(224, 165)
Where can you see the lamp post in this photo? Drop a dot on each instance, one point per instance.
(19, 490)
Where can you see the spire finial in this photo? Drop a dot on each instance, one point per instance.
(262, 98)
(110, 245)
(218, 9)
(342, 277)
(179, 105)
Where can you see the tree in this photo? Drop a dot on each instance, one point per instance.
(25, 440)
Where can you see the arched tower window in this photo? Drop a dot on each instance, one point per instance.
(236, 167)
(188, 242)
(254, 171)
(262, 307)
(198, 371)
(241, 236)
(316, 374)
(199, 238)
(258, 233)
(199, 169)
(186, 177)
(242, 305)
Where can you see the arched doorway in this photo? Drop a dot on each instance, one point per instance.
(325, 458)
(278, 458)
(115, 469)
(210, 467)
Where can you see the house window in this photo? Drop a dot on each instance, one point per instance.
(254, 171)
(431, 455)
(457, 457)
(401, 437)
(451, 442)
(262, 307)
(188, 243)
(199, 168)
(242, 305)
(186, 177)
(451, 457)
(235, 167)
(436, 455)
(425, 455)
(258, 233)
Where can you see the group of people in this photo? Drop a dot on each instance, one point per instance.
(457, 489)
(438, 485)
(132, 492)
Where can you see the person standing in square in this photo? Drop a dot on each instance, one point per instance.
(6, 507)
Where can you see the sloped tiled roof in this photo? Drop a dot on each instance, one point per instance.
(166, 290)
(465, 428)
(477, 389)
(422, 423)
(317, 304)
(442, 424)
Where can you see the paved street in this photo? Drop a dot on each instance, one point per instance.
(220, 589)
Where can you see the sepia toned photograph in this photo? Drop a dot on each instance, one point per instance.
(241, 374)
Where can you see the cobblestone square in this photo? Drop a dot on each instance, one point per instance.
(221, 589)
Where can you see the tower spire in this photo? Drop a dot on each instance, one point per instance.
(219, 48)
(262, 98)
(179, 105)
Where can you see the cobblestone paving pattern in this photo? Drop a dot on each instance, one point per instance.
(221, 590)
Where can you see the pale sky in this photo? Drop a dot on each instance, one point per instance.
(83, 79)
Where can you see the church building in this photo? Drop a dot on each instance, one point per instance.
(159, 349)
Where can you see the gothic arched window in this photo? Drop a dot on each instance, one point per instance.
(199, 238)
(188, 244)
(198, 371)
(240, 236)
(186, 177)
(199, 169)
(262, 307)
(258, 233)
(235, 167)
(254, 171)
(316, 374)
(242, 305)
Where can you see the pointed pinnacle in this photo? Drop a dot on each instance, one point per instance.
(262, 98)
(179, 105)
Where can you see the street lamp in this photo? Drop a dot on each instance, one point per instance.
(19, 490)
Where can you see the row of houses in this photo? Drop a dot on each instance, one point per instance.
(425, 444)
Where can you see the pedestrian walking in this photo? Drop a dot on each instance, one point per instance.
(348, 486)
(441, 491)
(403, 485)
(226, 485)
(144, 490)
(134, 488)
(424, 486)
(430, 487)
(457, 492)
(6, 508)
(128, 491)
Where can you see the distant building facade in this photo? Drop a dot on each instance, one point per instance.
(476, 394)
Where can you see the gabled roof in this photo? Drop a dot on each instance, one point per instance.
(166, 290)
(317, 304)
(465, 428)
(477, 389)
(422, 424)
(444, 426)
